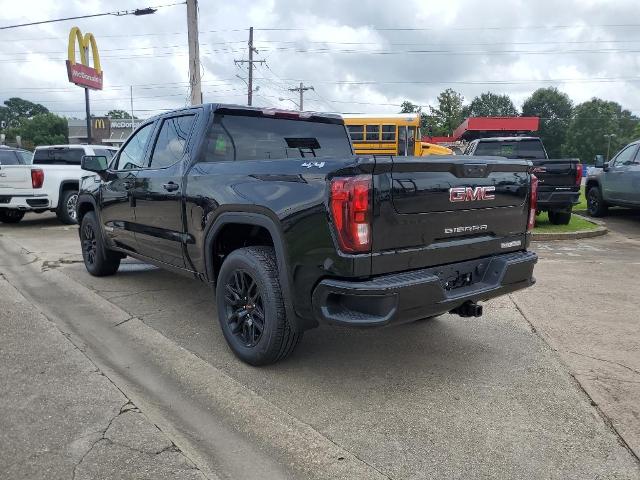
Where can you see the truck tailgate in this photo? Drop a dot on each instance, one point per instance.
(449, 210)
(15, 179)
(556, 172)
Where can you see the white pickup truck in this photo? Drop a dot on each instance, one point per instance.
(49, 183)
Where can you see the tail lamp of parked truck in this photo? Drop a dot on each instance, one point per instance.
(578, 174)
(533, 202)
(37, 177)
(350, 208)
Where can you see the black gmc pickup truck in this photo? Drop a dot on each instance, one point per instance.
(559, 179)
(273, 209)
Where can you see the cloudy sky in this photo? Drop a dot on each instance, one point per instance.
(360, 56)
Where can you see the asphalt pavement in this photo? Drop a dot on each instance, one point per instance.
(545, 385)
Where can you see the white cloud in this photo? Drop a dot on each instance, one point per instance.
(469, 42)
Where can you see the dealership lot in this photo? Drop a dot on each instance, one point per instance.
(546, 384)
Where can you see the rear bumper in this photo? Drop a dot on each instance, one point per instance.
(558, 198)
(409, 296)
(25, 202)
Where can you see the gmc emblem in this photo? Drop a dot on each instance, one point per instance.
(469, 194)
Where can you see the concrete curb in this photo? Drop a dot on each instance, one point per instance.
(601, 230)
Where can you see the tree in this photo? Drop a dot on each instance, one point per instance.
(591, 121)
(408, 107)
(120, 114)
(490, 105)
(448, 115)
(554, 109)
(17, 110)
(44, 129)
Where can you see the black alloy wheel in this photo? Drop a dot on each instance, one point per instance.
(89, 243)
(98, 259)
(244, 308)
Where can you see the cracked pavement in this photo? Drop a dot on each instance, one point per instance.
(545, 385)
(61, 417)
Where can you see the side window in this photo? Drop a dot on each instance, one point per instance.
(219, 147)
(132, 155)
(172, 141)
(373, 133)
(27, 157)
(356, 132)
(388, 133)
(625, 157)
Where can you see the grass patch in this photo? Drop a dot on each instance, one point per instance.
(576, 224)
(583, 201)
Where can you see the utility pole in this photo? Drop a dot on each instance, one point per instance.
(301, 89)
(131, 97)
(194, 53)
(251, 61)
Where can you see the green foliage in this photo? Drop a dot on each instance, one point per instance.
(591, 121)
(120, 114)
(554, 109)
(44, 129)
(17, 110)
(408, 107)
(490, 105)
(448, 115)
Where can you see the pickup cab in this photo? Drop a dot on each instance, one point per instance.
(48, 182)
(615, 183)
(559, 179)
(273, 210)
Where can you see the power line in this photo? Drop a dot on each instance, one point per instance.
(119, 13)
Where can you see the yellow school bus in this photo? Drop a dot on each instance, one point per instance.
(389, 134)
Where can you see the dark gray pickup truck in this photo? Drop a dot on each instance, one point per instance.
(617, 183)
(559, 179)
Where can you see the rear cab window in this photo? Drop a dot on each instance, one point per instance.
(58, 156)
(528, 149)
(241, 137)
(9, 157)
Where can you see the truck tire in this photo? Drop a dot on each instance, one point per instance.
(251, 309)
(559, 217)
(596, 206)
(98, 260)
(66, 211)
(11, 216)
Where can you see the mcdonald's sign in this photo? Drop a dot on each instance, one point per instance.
(81, 73)
(99, 123)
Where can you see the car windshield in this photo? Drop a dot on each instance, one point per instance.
(58, 156)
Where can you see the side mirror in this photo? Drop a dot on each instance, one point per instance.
(599, 161)
(94, 163)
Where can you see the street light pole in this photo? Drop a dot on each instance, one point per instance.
(608, 136)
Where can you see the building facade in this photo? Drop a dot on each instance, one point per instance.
(104, 130)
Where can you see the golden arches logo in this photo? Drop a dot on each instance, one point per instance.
(83, 42)
(99, 123)
(81, 73)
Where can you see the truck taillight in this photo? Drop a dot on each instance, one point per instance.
(350, 209)
(37, 177)
(533, 202)
(578, 174)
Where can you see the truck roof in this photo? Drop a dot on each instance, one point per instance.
(264, 111)
(506, 139)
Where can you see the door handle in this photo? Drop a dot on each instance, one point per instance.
(171, 187)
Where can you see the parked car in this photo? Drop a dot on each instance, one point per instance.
(273, 208)
(615, 183)
(559, 179)
(46, 180)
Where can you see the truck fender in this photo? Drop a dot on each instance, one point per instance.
(65, 185)
(260, 220)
